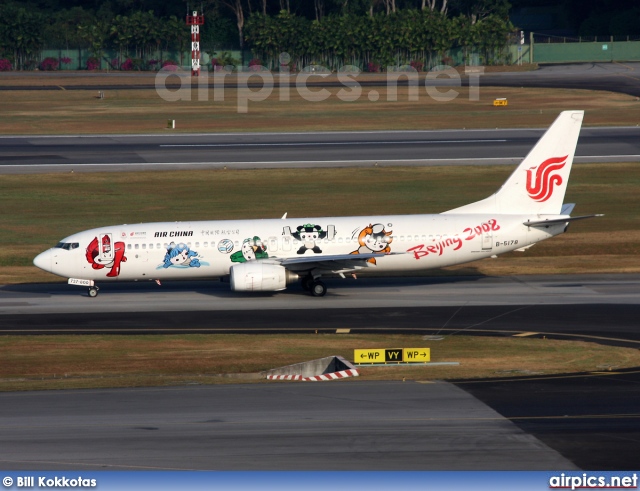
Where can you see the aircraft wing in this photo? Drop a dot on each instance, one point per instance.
(334, 263)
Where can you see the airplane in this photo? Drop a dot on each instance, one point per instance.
(268, 254)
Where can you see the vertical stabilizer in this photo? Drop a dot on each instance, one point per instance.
(539, 183)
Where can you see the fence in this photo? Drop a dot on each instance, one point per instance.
(540, 49)
(554, 49)
(79, 58)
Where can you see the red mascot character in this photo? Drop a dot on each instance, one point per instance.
(93, 256)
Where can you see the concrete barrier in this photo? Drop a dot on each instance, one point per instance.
(329, 368)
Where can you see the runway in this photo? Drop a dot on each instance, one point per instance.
(37, 154)
(612, 77)
(276, 426)
(601, 308)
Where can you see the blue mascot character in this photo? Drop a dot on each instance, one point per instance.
(180, 255)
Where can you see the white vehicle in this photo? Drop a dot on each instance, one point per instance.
(266, 255)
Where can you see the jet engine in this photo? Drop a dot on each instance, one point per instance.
(258, 276)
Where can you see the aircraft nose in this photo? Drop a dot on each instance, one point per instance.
(43, 260)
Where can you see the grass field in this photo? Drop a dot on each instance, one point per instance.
(143, 111)
(59, 362)
(39, 210)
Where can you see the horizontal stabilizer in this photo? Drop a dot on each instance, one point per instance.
(554, 221)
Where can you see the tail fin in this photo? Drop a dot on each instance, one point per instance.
(539, 183)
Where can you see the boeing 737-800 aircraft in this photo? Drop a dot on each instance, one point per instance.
(266, 255)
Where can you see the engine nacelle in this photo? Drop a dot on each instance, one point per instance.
(258, 276)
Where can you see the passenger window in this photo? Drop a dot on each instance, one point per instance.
(144, 246)
(129, 246)
(137, 246)
(150, 246)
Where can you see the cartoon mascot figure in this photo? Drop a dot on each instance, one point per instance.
(374, 239)
(93, 256)
(251, 249)
(180, 255)
(308, 234)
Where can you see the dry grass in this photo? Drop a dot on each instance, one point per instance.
(40, 210)
(56, 362)
(143, 111)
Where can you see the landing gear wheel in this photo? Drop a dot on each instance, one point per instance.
(306, 283)
(318, 289)
(93, 291)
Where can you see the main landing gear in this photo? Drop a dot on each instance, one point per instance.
(93, 291)
(316, 287)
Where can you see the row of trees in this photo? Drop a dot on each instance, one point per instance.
(334, 33)
(423, 36)
(25, 32)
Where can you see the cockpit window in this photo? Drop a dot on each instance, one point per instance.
(67, 246)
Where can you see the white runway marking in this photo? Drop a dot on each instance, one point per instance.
(276, 144)
(266, 163)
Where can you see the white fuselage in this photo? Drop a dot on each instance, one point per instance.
(208, 249)
(265, 255)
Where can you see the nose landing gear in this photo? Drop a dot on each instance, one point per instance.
(93, 291)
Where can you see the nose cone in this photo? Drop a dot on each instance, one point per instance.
(43, 260)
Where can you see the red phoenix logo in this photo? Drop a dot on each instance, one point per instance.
(542, 189)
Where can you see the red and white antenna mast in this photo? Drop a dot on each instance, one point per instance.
(195, 21)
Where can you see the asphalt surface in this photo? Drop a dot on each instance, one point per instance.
(592, 419)
(613, 77)
(275, 426)
(587, 421)
(569, 306)
(35, 154)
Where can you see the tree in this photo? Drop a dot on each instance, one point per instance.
(21, 34)
(177, 35)
(63, 30)
(237, 7)
(121, 34)
(479, 9)
(95, 35)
